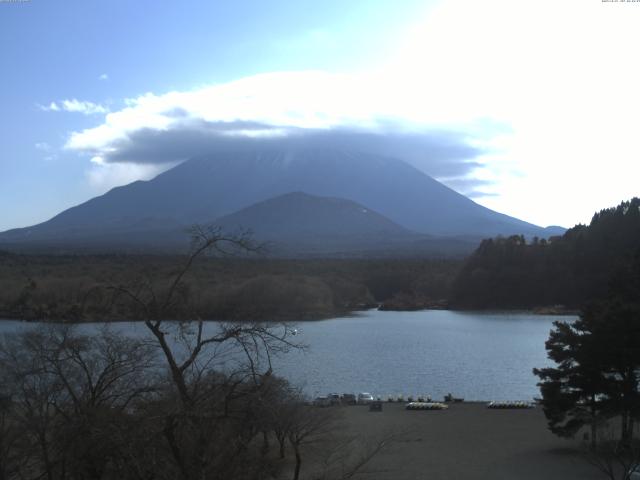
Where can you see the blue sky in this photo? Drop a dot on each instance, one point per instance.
(547, 90)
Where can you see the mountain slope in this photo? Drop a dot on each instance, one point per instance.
(301, 225)
(299, 215)
(203, 189)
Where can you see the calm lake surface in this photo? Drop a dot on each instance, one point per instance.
(478, 356)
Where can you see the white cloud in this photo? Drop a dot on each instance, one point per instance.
(338, 110)
(103, 177)
(288, 99)
(75, 106)
(86, 108)
(280, 102)
(52, 107)
(559, 74)
(47, 149)
(547, 87)
(104, 76)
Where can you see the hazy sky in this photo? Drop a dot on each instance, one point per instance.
(530, 107)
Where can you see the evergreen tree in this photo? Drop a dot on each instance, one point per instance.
(570, 270)
(598, 362)
(572, 392)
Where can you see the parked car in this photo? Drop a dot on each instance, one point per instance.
(322, 401)
(348, 399)
(334, 399)
(365, 398)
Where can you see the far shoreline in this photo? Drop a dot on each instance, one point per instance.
(540, 311)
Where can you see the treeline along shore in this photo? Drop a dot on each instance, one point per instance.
(81, 288)
(550, 275)
(568, 270)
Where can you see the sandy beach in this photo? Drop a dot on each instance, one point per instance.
(467, 441)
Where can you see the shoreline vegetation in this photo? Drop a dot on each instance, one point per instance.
(569, 270)
(78, 288)
(75, 288)
(555, 276)
(542, 311)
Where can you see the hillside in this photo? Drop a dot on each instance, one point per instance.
(298, 215)
(298, 224)
(567, 270)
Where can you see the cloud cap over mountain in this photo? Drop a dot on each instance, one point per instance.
(290, 109)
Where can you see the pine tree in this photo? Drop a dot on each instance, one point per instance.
(598, 362)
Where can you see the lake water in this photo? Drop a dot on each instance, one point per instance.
(478, 356)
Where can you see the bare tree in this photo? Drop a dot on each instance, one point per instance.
(308, 425)
(612, 457)
(67, 391)
(10, 460)
(341, 457)
(191, 400)
(349, 456)
(216, 370)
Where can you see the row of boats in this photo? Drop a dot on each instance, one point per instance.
(426, 406)
(419, 402)
(510, 405)
(492, 405)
